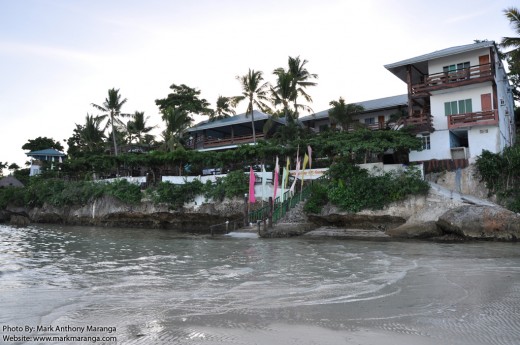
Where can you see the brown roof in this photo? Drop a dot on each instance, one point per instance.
(10, 181)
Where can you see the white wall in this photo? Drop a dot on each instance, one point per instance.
(438, 98)
(483, 138)
(435, 66)
(440, 147)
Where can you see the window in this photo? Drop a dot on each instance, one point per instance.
(370, 121)
(323, 128)
(425, 137)
(455, 67)
(458, 107)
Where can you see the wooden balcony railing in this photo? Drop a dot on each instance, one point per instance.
(216, 142)
(456, 78)
(479, 118)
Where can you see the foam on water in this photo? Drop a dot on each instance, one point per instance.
(164, 288)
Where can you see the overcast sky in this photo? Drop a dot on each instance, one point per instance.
(59, 56)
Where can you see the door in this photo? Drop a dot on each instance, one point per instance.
(381, 121)
(484, 66)
(485, 100)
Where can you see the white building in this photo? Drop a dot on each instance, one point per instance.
(464, 95)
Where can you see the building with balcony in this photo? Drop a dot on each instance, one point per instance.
(462, 94)
(377, 114)
(230, 132)
(48, 156)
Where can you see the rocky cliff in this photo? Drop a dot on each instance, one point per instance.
(110, 212)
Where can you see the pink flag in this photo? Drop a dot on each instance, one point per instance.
(252, 198)
(276, 172)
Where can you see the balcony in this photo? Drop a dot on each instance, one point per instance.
(209, 142)
(461, 77)
(479, 118)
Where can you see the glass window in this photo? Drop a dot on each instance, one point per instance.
(425, 137)
(370, 121)
(458, 107)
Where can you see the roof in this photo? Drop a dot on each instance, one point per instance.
(370, 105)
(46, 152)
(10, 181)
(233, 120)
(441, 53)
(421, 61)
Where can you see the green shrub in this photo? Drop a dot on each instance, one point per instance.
(176, 195)
(501, 173)
(235, 183)
(123, 190)
(354, 189)
(318, 199)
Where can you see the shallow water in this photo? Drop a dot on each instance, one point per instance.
(158, 286)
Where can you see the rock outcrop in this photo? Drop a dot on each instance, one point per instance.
(481, 222)
(111, 212)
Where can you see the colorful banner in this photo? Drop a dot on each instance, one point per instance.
(296, 177)
(305, 160)
(309, 151)
(276, 173)
(264, 180)
(252, 198)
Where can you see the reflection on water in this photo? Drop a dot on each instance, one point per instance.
(164, 287)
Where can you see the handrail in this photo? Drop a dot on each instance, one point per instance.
(443, 78)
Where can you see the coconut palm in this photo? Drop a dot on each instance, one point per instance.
(90, 134)
(283, 92)
(301, 80)
(256, 92)
(513, 14)
(112, 108)
(177, 121)
(225, 108)
(137, 128)
(342, 113)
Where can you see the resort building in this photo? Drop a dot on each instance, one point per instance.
(462, 96)
(377, 114)
(39, 158)
(230, 132)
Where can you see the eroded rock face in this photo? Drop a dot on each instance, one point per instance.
(357, 221)
(416, 230)
(111, 212)
(481, 222)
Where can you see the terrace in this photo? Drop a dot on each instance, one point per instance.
(478, 118)
(450, 79)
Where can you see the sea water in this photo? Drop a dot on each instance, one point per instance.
(143, 286)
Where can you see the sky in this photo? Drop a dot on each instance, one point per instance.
(57, 57)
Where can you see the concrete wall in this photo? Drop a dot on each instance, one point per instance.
(435, 66)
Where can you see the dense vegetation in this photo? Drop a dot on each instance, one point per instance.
(59, 192)
(501, 173)
(354, 189)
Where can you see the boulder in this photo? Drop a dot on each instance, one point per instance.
(19, 220)
(416, 230)
(481, 222)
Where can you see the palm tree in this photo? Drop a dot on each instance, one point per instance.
(177, 121)
(342, 113)
(256, 92)
(513, 14)
(137, 128)
(283, 92)
(224, 108)
(301, 80)
(112, 108)
(91, 135)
